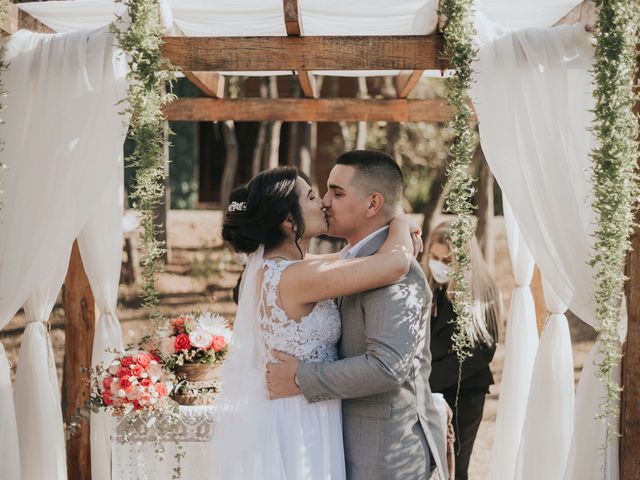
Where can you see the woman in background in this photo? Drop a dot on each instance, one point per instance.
(445, 368)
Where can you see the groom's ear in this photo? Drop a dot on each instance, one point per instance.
(376, 202)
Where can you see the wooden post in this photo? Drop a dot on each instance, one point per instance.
(538, 299)
(630, 404)
(79, 312)
(484, 198)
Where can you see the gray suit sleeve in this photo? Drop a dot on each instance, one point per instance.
(392, 320)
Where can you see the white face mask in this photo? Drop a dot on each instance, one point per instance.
(441, 273)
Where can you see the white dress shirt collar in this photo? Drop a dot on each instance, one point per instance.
(352, 252)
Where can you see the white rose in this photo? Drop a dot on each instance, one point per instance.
(200, 338)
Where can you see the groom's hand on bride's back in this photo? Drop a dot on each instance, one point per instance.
(281, 376)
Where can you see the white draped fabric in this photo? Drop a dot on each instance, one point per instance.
(9, 451)
(520, 347)
(64, 87)
(548, 427)
(37, 396)
(533, 98)
(100, 243)
(217, 18)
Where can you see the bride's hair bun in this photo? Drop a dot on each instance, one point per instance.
(257, 210)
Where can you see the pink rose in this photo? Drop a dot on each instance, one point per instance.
(218, 343)
(161, 389)
(143, 359)
(182, 342)
(106, 383)
(136, 370)
(125, 384)
(126, 361)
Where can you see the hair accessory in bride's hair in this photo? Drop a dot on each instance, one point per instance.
(237, 207)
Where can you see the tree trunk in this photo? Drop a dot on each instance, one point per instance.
(393, 128)
(484, 199)
(434, 205)
(273, 159)
(361, 137)
(258, 149)
(346, 136)
(230, 162)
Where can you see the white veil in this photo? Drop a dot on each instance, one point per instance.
(244, 422)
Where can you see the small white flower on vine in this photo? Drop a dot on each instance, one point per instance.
(237, 207)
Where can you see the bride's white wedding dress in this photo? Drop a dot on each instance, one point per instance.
(285, 439)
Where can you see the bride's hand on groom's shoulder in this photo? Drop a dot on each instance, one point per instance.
(414, 228)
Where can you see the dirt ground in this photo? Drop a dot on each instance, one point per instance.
(201, 275)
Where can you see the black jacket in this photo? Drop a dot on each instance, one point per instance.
(444, 363)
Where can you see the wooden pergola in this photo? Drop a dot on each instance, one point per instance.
(202, 59)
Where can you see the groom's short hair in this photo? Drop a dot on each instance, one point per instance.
(375, 172)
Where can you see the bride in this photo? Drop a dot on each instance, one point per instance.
(273, 218)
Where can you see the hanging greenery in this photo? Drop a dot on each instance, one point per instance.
(615, 179)
(459, 50)
(4, 9)
(140, 37)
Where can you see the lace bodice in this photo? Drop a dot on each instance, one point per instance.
(312, 338)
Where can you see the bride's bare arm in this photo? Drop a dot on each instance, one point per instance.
(312, 280)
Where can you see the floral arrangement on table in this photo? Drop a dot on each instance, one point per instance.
(194, 339)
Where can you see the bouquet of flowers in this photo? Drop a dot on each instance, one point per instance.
(132, 382)
(194, 339)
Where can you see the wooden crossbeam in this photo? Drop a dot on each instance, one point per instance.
(209, 83)
(308, 110)
(17, 19)
(293, 24)
(405, 83)
(292, 18)
(411, 52)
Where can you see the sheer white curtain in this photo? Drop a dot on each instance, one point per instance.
(520, 347)
(533, 97)
(9, 451)
(548, 427)
(100, 244)
(37, 396)
(63, 89)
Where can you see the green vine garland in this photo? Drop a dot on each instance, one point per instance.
(148, 72)
(458, 35)
(615, 180)
(4, 9)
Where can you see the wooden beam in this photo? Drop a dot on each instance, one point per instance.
(538, 300)
(411, 52)
(79, 312)
(293, 24)
(10, 24)
(307, 110)
(28, 22)
(405, 83)
(630, 400)
(209, 83)
(292, 18)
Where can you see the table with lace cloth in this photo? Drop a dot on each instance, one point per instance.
(134, 446)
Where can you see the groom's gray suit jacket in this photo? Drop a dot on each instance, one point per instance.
(389, 419)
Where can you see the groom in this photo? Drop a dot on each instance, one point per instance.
(391, 425)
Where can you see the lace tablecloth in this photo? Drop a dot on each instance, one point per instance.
(137, 455)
